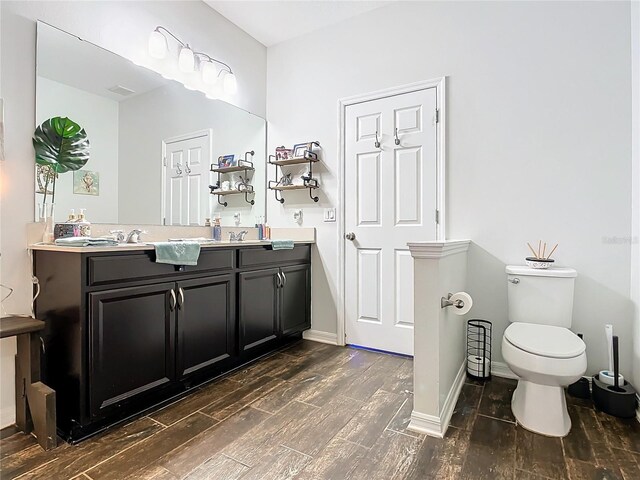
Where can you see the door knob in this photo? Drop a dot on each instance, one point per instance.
(350, 236)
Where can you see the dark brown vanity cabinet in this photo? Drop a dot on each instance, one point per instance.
(124, 334)
(131, 337)
(273, 302)
(205, 323)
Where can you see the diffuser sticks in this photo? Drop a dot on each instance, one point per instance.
(540, 253)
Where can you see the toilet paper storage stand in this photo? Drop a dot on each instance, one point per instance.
(447, 302)
(479, 349)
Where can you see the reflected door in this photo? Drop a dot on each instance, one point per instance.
(390, 200)
(187, 161)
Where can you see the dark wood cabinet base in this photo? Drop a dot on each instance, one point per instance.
(124, 334)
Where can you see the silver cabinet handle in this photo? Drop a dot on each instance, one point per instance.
(515, 281)
(173, 301)
(377, 142)
(181, 298)
(279, 280)
(284, 280)
(178, 169)
(350, 236)
(397, 141)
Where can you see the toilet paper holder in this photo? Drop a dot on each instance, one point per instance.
(446, 302)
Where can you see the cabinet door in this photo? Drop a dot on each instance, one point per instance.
(131, 339)
(258, 308)
(295, 302)
(206, 323)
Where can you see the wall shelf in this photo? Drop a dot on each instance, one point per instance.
(245, 165)
(310, 157)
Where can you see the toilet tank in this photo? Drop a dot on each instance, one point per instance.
(541, 296)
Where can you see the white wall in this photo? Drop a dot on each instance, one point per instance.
(635, 234)
(144, 124)
(539, 128)
(99, 117)
(122, 27)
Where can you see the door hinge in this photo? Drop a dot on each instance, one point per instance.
(438, 216)
(164, 161)
(437, 116)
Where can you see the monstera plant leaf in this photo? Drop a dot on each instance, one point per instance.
(61, 144)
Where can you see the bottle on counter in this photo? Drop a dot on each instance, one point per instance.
(84, 226)
(217, 230)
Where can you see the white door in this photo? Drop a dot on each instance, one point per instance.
(187, 161)
(390, 199)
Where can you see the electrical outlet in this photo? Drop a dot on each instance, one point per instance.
(297, 216)
(329, 214)
(236, 218)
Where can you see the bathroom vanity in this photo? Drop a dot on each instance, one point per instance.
(124, 334)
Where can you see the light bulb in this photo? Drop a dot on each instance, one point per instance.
(157, 45)
(186, 61)
(230, 84)
(209, 73)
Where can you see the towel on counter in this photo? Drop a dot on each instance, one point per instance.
(281, 244)
(177, 253)
(85, 242)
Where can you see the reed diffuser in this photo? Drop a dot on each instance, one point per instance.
(540, 257)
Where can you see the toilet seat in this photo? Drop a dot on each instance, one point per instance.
(545, 340)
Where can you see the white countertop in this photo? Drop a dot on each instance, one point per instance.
(128, 247)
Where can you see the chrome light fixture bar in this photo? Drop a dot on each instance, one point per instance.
(189, 61)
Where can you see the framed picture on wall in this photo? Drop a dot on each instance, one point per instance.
(86, 182)
(299, 149)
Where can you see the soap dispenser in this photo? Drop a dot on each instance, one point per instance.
(84, 224)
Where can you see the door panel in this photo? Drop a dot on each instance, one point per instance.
(131, 343)
(205, 323)
(295, 299)
(258, 308)
(390, 200)
(187, 177)
(369, 188)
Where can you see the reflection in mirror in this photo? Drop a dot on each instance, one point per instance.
(153, 142)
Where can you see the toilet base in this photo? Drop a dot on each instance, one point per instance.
(541, 409)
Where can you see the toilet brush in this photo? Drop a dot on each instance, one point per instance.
(618, 399)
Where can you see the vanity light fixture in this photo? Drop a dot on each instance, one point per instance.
(215, 74)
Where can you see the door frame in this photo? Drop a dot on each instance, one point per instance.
(180, 138)
(439, 84)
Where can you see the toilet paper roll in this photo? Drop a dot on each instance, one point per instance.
(474, 366)
(466, 300)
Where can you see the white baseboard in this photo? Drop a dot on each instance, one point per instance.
(436, 426)
(500, 369)
(322, 337)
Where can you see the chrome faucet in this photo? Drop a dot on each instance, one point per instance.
(134, 236)
(118, 235)
(237, 237)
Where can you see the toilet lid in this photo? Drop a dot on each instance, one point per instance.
(545, 340)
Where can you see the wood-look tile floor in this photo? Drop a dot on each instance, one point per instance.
(315, 411)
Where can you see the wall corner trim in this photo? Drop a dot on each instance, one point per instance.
(321, 337)
(436, 426)
(438, 249)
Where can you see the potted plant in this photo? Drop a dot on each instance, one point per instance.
(61, 145)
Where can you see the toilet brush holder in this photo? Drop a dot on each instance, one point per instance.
(618, 401)
(580, 389)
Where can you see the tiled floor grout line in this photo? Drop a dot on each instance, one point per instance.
(38, 467)
(160, 423)
(395, 414)
(297, 451)
(496, 418)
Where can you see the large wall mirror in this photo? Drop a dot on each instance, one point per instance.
(152, 141)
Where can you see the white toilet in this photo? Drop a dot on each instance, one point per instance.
(539, 347)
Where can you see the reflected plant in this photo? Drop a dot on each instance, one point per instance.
(61, 145)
